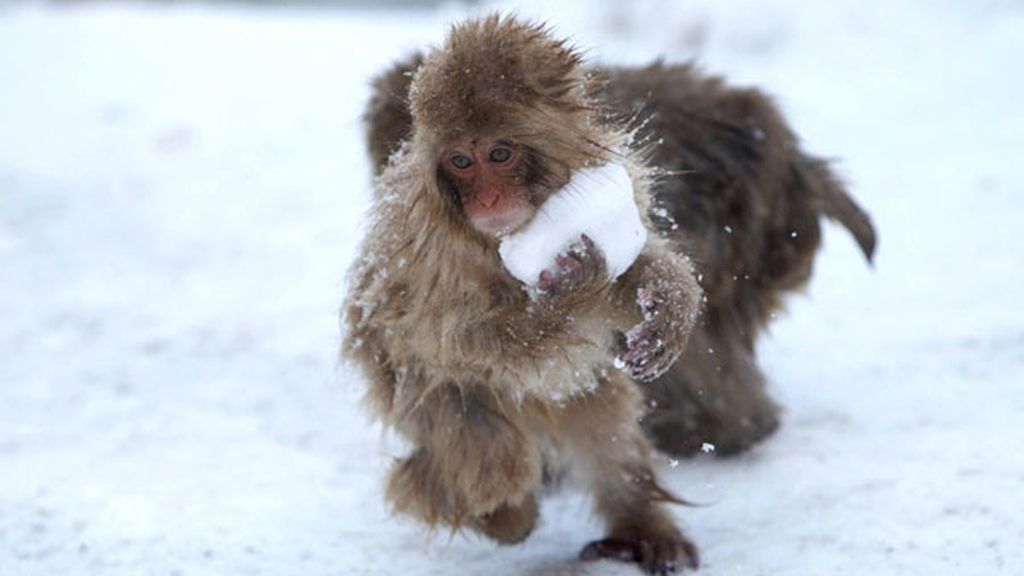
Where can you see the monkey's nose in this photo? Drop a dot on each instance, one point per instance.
(488, 198)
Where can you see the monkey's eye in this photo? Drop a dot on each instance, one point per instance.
(501, 154)
(461, 161)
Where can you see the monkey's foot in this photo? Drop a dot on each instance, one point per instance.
(682, 427)
(656, 555)
(508, 524)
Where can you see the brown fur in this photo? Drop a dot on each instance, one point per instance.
(480, 378)
(745, 202)
(389, 109)
(738, 195)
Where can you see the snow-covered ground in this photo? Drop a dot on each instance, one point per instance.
(180, 194)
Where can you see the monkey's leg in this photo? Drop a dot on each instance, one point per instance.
(613, 454)
(476, 466)
(714, 394)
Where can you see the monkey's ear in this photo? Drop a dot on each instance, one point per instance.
(387, 116)
(449, 190)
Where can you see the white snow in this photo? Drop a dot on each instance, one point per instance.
(597, 202)
(181, 190)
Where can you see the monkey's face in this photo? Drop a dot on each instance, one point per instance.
(488, 178)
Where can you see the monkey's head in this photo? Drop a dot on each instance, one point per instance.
(501, 112)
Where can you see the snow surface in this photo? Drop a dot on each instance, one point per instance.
(181, 188)
(598, 202)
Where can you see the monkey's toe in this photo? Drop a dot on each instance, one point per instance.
(659, 556)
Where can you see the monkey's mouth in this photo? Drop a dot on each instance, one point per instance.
(498, 224)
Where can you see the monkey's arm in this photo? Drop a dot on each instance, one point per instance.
(475, 463)
(662, 286)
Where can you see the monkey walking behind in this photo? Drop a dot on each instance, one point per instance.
(495, 386)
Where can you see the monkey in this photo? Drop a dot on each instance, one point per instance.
(747, 208)
(494, 385)
(737, 194)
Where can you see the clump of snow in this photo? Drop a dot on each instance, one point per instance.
(597, 202)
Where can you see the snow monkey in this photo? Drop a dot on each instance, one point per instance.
(499, 386)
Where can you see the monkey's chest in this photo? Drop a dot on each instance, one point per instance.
(572, 364)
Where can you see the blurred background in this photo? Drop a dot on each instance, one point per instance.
(181, 191)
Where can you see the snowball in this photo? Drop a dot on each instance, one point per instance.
(597, 202)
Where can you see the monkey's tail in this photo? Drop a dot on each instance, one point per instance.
(839, 206)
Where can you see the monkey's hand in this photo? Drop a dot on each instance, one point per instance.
(578, 273)
(650, 347)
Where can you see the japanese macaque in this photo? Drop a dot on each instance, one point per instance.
(497, 386)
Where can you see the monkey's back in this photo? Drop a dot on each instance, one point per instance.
(736, 190)
(745, 202)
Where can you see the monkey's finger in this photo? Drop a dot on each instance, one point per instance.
(545, 281)
(578, 257)
(646, 365)
(590, 248)
(588, 243)
(645, 336)
(586, 251)
(567, 277)
(647, 300)
(643, 333)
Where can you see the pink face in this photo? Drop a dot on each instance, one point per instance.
(490, 177)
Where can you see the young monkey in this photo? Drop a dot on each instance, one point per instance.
(483, 379)
(486, 383)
